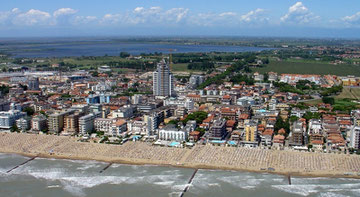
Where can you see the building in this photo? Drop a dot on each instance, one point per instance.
(4, 105)
(124, 112)
(8, 118)
(110, 127)
(39, 123)
(251, 132)
(33, 84)
(86, 123)
(23, 124)
(297, 134)
(56, 121)
(152, 123)
(71, 123)
(96, 99)
(196, 80)
(171, 133)
(137, 127)
(355, 137)
(118, 127)
(136, 99)
(163, 80)
(218, 130)
(279, 141)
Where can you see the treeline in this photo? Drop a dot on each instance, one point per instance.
(306, 54)
(331, 91)
(242, 78)
(284, 87)
(249, 57)
(218, 79)
(204, 66)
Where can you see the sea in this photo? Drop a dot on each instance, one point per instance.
(74, 48)
(58, 178)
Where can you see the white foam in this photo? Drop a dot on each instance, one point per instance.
(295, 189)
(214, 184)
(164, 183)
(306, 190)
(331, 194)
(180, 187)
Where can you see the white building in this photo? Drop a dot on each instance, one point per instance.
(103, 124)
(39, 123)
(136, 99)
(196, 80)
(124, 112)
(86, 123)
(23, 124)
(315, 127)
(151, 124)
(355, 137)
(8, 118)
(170, 133)
(137, 127)
(110, 127)
(180, 102)
(163, 80)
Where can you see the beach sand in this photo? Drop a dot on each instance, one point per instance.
(207, 157)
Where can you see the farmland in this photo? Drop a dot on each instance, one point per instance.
(309, 68)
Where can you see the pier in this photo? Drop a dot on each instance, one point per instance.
(106, 167)
(189, 182)
(21, 164)
(289, 179)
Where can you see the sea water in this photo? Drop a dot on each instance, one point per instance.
(55, 177)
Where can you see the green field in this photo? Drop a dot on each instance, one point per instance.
(183, 68)
(351, 93)
(309, 68)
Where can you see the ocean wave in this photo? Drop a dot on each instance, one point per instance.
(305, 190)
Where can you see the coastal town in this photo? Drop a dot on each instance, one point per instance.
(227, 116)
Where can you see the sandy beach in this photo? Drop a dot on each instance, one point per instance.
(208, 156)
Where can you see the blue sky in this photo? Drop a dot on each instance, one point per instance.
(307, 18)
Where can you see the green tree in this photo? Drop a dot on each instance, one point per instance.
(199, 116)
(95, 74)
(281, 124)
(29, 111)
(328, 100)
(14, 128)
(310, 115)
(124, 54)
(293, 118)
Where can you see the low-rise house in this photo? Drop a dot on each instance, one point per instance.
(266, 137)
(278, 141)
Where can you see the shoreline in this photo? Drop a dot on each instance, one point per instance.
(283, 163)
(201, 167)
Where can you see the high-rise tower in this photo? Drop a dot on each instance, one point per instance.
(163, 80)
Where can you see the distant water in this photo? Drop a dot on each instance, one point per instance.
(76, 49)
(58, 178)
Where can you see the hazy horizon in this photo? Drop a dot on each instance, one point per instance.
(259, 18)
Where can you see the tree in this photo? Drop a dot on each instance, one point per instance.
(124, 54)
(293, 118)
(14, 128)
(95, 74)
(266, 77)
(199, 116)
(310, 115)
(29, 111)
(281, 124)
(328, 100)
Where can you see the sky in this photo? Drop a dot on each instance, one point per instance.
(275, 18)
